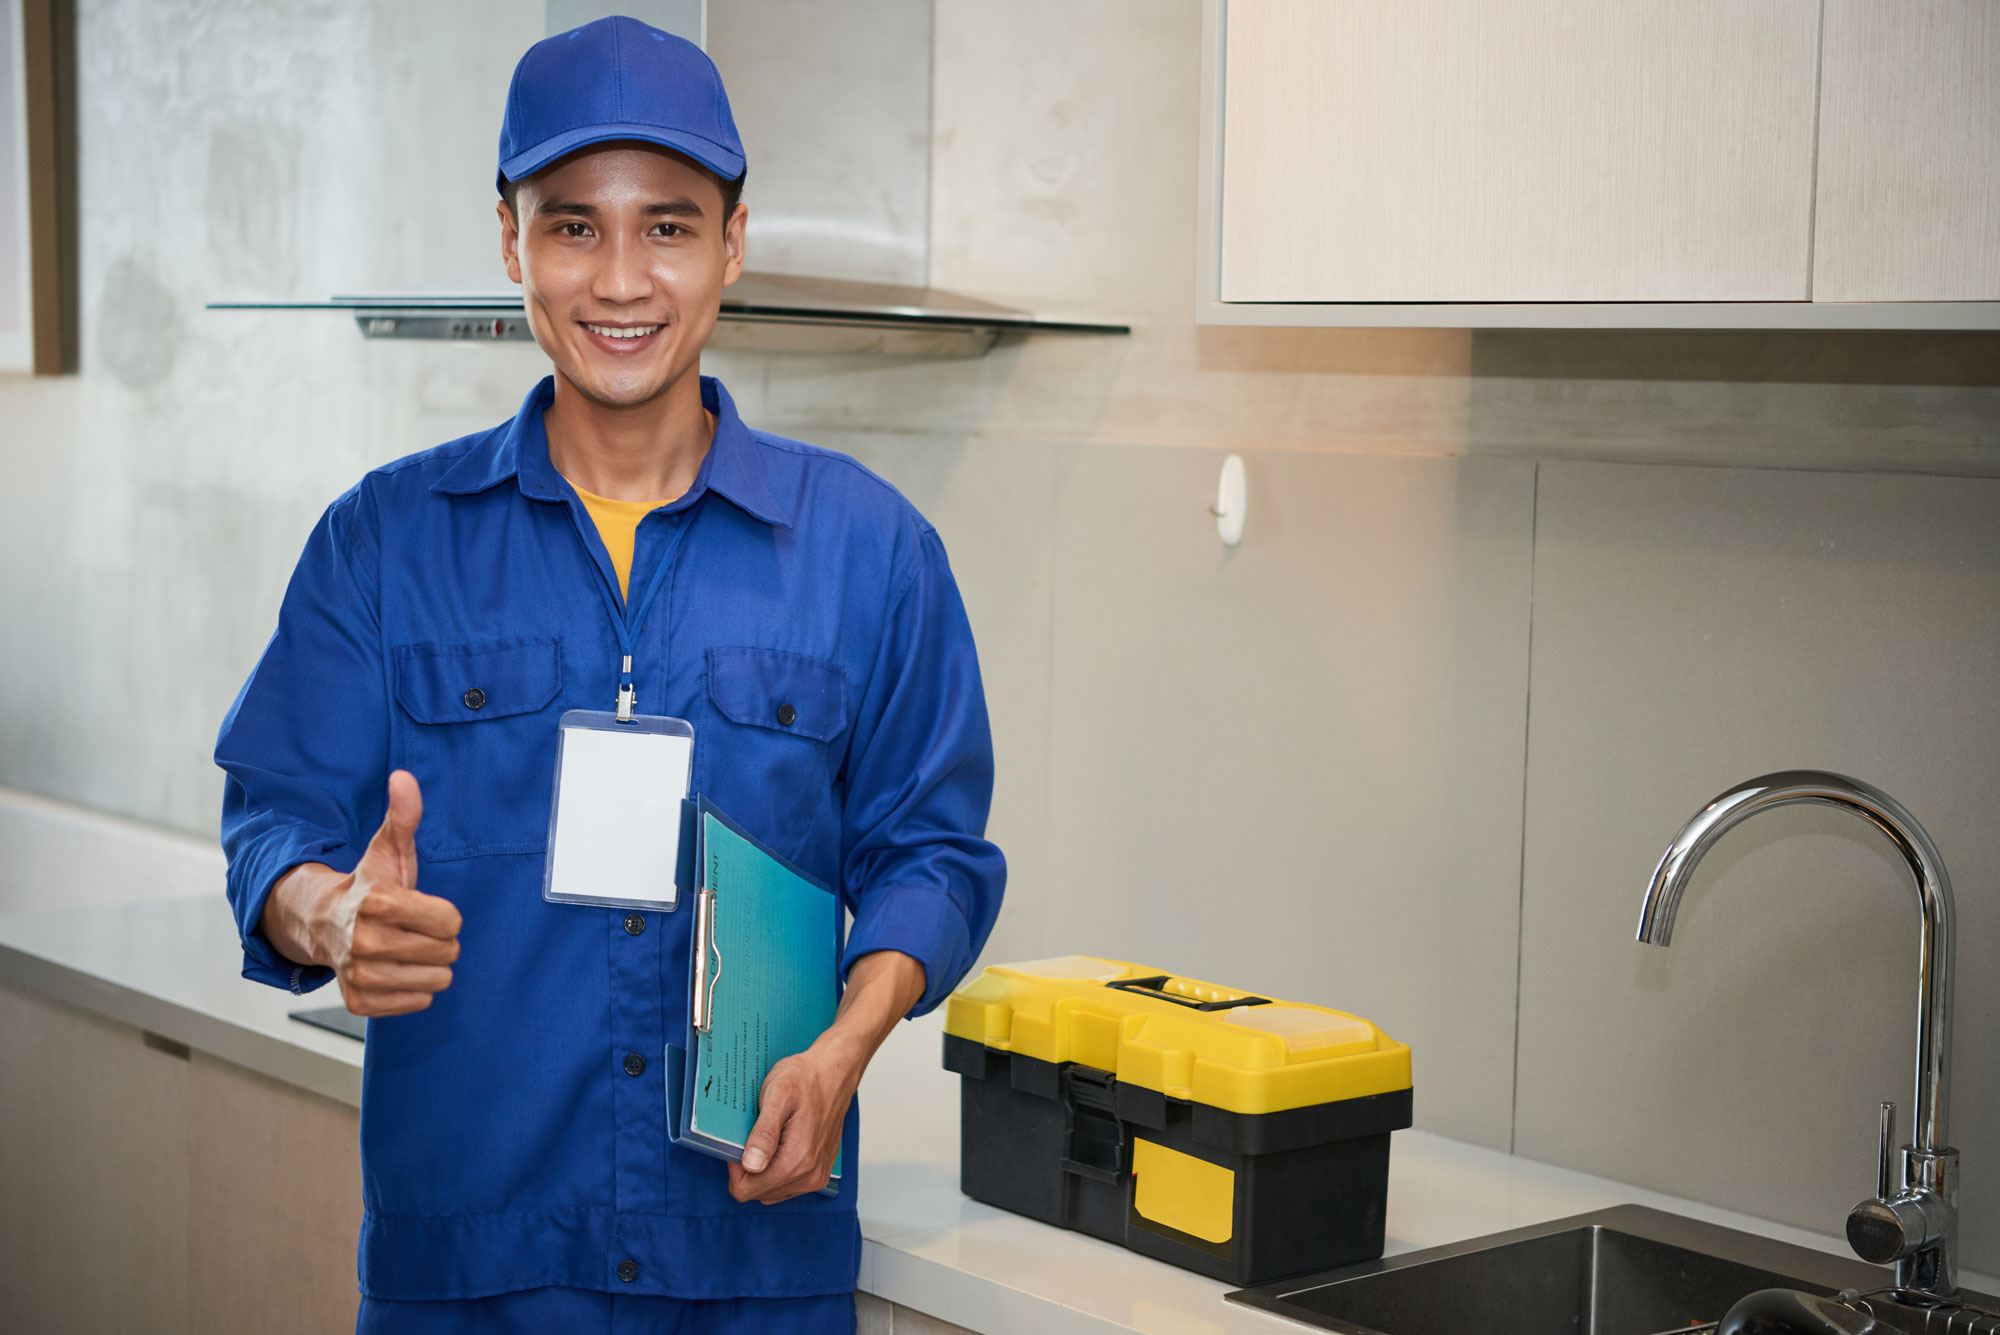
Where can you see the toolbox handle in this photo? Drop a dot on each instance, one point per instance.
(1156, 988)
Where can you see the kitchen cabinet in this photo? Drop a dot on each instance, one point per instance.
(150, 1188)
(1517, 150)
(1909, 160)
(1599, 163)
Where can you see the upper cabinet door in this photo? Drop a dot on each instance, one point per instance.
(1909, 152)
(1517, 150)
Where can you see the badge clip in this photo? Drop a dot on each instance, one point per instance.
(625, 692)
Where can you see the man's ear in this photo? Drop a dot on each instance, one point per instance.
(732, 241)
(510, 241)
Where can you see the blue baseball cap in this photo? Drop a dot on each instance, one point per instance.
(616, 78)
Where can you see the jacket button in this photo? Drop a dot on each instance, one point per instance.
(786, 714)
(635, 923)
(634, 1064)
(474, 698)
(628, 1271)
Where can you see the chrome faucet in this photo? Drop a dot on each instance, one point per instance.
(1915, 1226)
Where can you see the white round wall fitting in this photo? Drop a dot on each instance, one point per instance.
(1231, 497)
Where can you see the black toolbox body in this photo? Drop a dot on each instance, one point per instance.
(1056, 1142)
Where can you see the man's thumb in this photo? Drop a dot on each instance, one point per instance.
(757, 1150)
(397, 839)
(761, 1145)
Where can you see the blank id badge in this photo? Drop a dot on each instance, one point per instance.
(615, 817)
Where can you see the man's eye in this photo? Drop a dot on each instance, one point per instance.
(575, 229)
(669, 229)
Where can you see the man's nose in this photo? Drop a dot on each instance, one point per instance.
(624, 277)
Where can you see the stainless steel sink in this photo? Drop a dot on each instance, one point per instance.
(1623, 1271)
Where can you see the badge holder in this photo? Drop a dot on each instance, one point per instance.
(616, 813)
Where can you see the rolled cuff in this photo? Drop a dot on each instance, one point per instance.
(251, 878)
(922, 922)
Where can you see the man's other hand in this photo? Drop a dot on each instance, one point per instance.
(803, 1105)
(800, 1114)
(390, 946)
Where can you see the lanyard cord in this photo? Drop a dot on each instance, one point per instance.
(625, 620)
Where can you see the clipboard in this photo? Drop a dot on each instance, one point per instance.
(763, 982)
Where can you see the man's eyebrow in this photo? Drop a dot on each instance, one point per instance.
(679, 206)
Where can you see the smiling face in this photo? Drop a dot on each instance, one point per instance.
(622, 252)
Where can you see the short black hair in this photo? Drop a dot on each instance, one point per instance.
(732, 191)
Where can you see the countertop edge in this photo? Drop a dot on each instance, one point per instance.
(280, 1059)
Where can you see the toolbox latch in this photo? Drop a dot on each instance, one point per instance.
(1096, 1139)
(1162, 987)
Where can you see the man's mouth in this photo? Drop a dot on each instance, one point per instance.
(621, 337)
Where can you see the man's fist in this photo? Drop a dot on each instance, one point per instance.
(390, 946)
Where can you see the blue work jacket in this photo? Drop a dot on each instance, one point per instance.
(807, 625)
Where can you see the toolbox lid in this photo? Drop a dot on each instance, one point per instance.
(1187, 1039)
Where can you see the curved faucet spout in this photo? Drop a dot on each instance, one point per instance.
(1885, 813)
(1916, 1227)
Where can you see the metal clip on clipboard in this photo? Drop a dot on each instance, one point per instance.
(705, 976)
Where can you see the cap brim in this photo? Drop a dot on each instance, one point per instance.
(724, 162)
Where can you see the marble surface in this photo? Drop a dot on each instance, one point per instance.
(171, 965)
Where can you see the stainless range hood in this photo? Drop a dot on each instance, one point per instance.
(774, 312)
(834, 104)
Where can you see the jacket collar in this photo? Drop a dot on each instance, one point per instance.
(737, 466)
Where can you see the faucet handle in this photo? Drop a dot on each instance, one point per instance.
(1899, 1221)
(1885, 1177)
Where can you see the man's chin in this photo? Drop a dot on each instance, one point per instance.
(628, 390)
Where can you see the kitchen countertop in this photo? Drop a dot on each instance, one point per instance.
(170, 965)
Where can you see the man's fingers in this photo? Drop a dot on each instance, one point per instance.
(386, 1003)
(791, 1149)
(390, 976)
(414, 910)
(378, 940)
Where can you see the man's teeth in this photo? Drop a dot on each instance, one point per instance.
(612, 331)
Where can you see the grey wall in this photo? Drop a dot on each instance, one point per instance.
(1509, 608)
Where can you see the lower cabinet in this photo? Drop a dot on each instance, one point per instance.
(147, 1189)
(877, 1316)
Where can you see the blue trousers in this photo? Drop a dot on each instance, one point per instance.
(555, 1311)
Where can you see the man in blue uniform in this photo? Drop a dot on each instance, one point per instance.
(624, 540)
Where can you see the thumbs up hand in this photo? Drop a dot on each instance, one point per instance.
(390, 945)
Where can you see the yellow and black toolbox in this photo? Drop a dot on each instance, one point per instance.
(1238, 1136)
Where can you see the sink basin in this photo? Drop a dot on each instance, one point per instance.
(1623, 1271)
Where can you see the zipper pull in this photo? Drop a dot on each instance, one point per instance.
(625, 691)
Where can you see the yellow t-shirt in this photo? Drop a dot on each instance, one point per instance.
(618, 524)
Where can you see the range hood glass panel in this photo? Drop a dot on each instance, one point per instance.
(755, 299)
(772, 297)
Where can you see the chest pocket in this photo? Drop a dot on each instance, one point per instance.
(770, 757)
(768, 688)
(478, 736)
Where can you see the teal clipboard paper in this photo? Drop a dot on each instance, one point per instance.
(763, 985)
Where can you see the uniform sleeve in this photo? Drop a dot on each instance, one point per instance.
(305, 745)
(918, 871)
